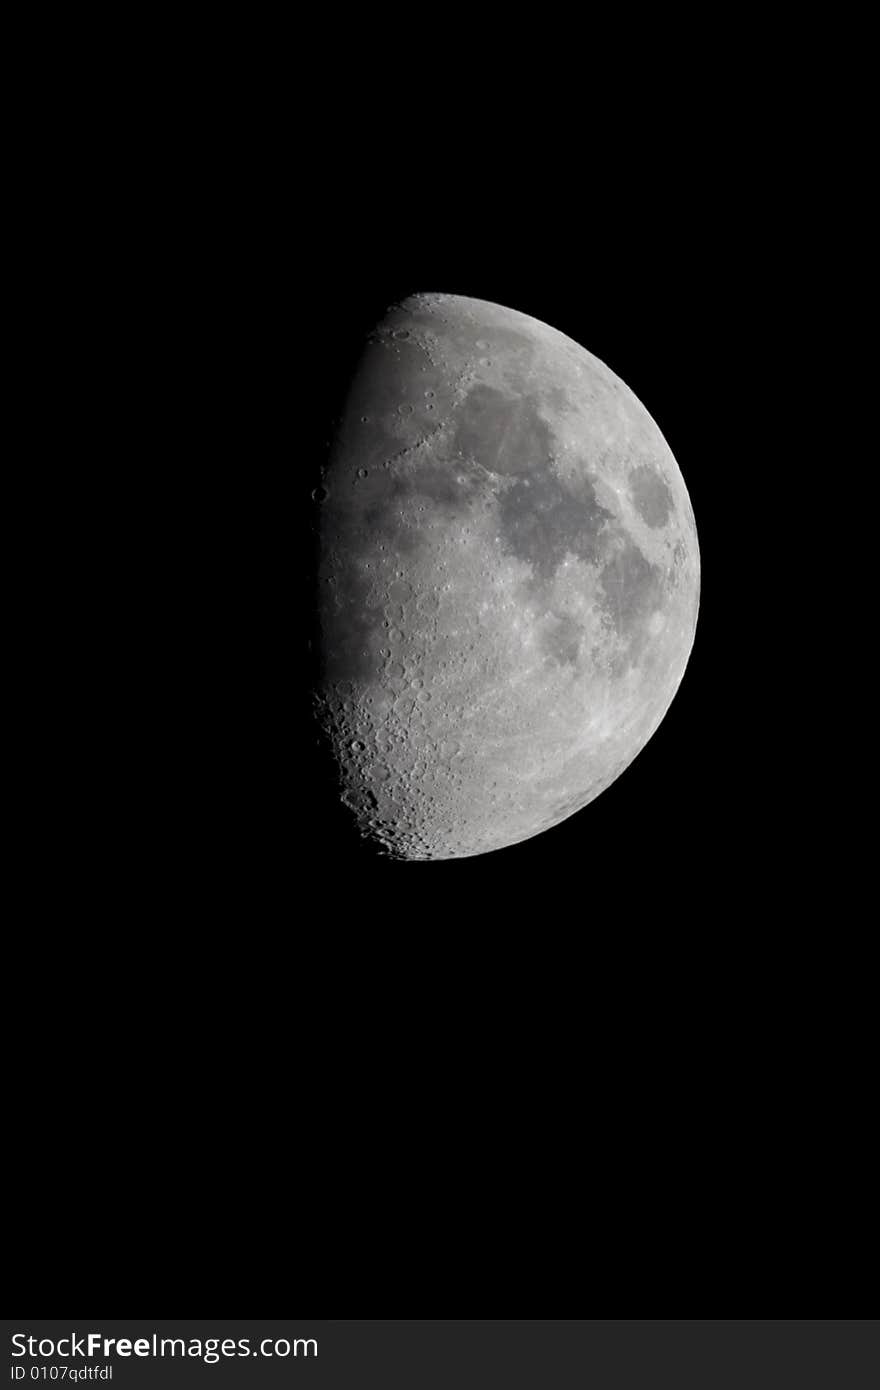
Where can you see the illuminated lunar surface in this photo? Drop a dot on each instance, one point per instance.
(509, 580)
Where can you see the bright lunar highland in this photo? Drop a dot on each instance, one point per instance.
(508, 579)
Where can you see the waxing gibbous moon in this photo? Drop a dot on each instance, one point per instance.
(508, 579)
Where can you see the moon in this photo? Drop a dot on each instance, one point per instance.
(508, 579)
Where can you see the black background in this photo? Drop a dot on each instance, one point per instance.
(248, 1053)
